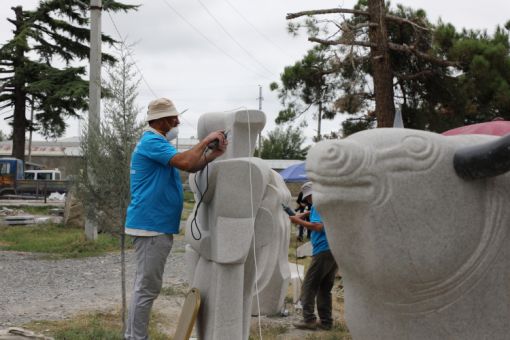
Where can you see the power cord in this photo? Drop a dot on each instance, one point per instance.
(194, 220)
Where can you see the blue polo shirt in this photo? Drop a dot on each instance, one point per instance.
(319, 240)
(156, 188)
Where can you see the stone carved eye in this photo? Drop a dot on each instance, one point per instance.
(416, 145)
(344, 158)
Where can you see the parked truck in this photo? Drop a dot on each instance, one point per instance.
(15, 180)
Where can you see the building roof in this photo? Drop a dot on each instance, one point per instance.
(70, 146)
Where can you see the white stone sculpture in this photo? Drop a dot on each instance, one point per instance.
(424, 253)
(272, 249)
(242, 204)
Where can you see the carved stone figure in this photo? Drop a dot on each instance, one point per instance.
(238, 209)
(423, 246)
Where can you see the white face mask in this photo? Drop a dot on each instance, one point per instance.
(172, 133)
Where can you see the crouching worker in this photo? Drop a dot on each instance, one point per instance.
(320, 276)
(154, 213)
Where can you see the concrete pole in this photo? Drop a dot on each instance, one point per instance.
(30, 133)
(94, 100)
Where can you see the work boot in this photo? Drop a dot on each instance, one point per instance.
(311, 325)
(325, 326)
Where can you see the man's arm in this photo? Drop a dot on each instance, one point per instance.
(196, 158)
(297, 219)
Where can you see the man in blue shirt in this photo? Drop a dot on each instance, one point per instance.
(320, 276)
(154, 213)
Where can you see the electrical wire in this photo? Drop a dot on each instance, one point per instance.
(128, 51)
(253, 222)
(281, 50)
(194, 220)
(212, 42)
(131, 56)
(248, 53)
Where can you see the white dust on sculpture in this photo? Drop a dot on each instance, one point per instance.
(424, 254)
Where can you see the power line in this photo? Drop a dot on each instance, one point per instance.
(128, 51)
(248, 53)
(265, 37)
(212, 42)
(131, 56)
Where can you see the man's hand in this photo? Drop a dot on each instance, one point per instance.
(303, 214)
(222, 143)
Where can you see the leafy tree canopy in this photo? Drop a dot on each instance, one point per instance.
(283, 144)
(35, 65)
(441, 78)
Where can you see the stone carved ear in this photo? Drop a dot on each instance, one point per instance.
(484, 160)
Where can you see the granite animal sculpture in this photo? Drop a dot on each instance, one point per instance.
(419, 226)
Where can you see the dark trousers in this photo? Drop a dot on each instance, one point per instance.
(301, 232)
(317, 285)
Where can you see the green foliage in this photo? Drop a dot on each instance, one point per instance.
(57, 241)
(284, 144)
(353, 125)
(308, 83)
(53, 32)
(98, 325)
(104, 183)
(433, 94)
(483, 86)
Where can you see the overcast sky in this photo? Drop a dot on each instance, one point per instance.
(211, 55)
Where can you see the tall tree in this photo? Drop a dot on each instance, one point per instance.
(364, 40)
(283, 144)
(55, 32)
(309, 83)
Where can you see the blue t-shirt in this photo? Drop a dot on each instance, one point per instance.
(156, 188)
(319, 240)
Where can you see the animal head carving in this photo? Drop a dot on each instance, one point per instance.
(401, 221)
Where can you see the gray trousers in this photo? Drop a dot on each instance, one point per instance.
(151, 254)
(317, 285)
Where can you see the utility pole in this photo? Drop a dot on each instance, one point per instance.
(30, 133)
(94, 103)
(260, 98)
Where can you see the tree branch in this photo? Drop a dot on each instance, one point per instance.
(341, 42)
(352, 11)
(412, 50)
(325, 11)
(414, 76)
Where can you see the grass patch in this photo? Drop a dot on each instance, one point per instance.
(187, 209)
(175, 290)
(338, 332)
(269, 332)
(56, 240)
(33, 210)
(189, 197)
(104, 326)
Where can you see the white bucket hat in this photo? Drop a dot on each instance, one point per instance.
(159, 108)
(306, 189)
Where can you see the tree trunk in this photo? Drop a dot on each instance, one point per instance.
(381, 65)
(19, 125)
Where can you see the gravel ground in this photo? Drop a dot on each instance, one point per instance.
(32, 288)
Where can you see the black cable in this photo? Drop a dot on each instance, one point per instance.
(194, 220)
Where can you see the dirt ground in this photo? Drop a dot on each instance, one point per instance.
(37, 289)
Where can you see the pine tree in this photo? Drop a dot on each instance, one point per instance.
(55, 32)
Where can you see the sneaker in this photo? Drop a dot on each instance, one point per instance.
(312, 325)
(324, 326)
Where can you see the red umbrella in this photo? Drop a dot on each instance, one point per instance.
(494, 128)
